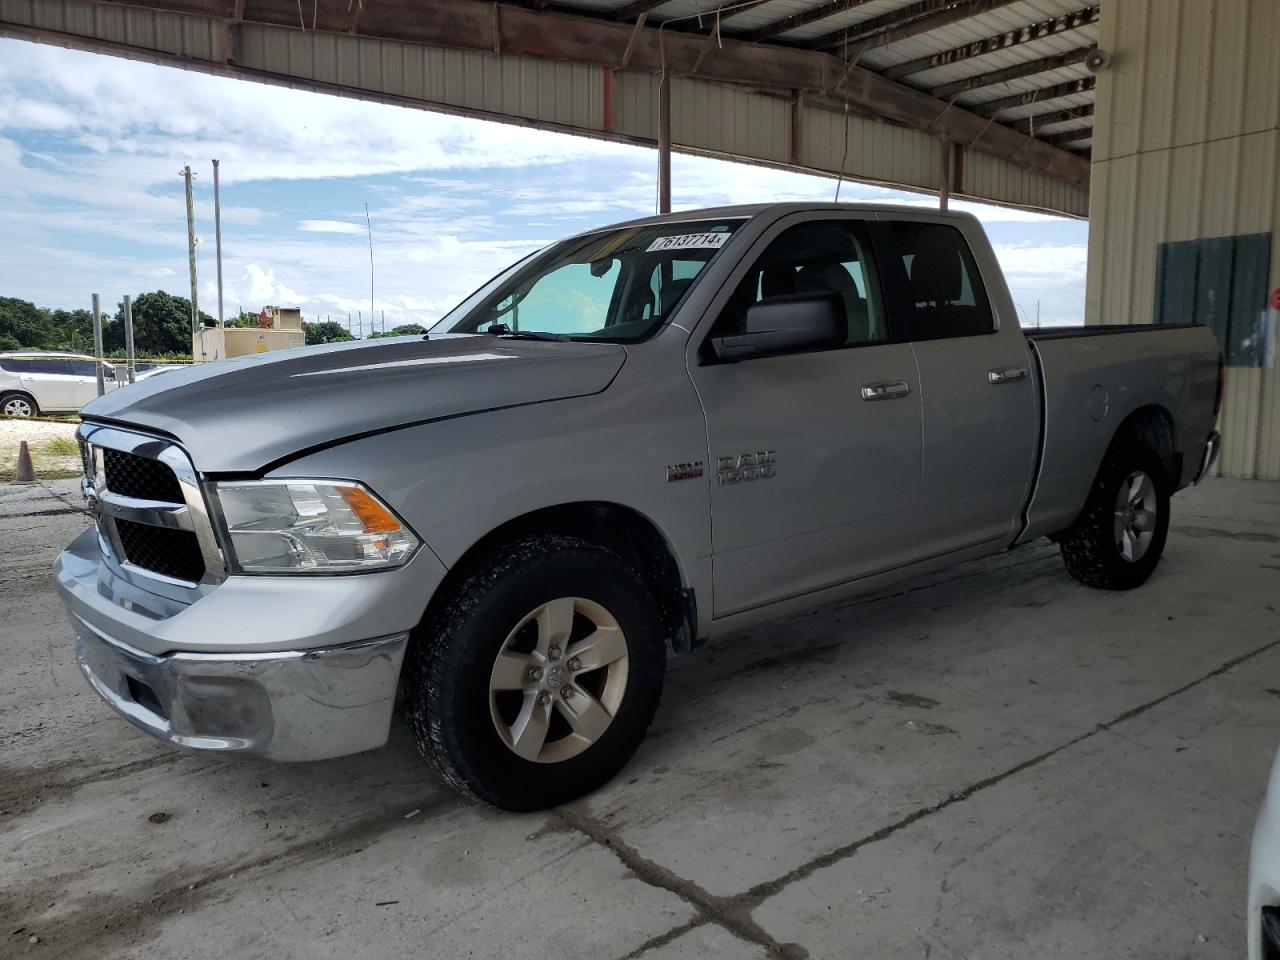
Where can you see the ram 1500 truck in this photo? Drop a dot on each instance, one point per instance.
(630, 441)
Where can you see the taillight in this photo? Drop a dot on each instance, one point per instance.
(1217, 403)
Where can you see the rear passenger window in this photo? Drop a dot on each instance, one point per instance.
(943, 287)
(830, 256)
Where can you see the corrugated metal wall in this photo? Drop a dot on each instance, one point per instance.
(1187, 146)
(706, 117)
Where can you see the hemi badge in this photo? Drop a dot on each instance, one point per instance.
(684, 471)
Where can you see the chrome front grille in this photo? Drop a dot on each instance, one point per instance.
(149, 507)
(140, 477)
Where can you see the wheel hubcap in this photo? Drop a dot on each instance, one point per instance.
(558, 680)
(17, 408)
(1136, 514)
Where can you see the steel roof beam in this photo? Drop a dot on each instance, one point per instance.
(1018, 71)
(1031, 124)
(1069, 136)
(570, 38)
(822, 12)
(989, 108)
(920, 17)
(1001, 41)
(633, 10)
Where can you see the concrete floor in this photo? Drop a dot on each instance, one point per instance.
(995, 762)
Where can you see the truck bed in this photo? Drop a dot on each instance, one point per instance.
(1092, 378)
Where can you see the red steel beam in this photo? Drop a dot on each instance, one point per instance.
(519, 32)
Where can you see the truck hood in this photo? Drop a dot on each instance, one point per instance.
(241, 415)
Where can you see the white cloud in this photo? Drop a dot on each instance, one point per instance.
(331, 226)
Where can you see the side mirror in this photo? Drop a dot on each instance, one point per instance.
(795, 321)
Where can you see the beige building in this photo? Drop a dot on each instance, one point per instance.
(1185, 202)
(278, 329)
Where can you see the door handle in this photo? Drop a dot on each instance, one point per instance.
(1007, 374)
(885, 390)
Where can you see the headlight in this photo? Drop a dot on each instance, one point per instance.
(310, 526)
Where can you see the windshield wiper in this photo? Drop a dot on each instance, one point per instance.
(502, 330)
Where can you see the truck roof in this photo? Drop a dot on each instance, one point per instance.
(750, 210)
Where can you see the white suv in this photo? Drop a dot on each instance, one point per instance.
(38, 381)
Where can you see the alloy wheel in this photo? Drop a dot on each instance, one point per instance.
(1136, 514)
(558, 680)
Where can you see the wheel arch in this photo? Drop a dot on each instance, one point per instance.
(626, 531)
(17, 392)
(1154, 426)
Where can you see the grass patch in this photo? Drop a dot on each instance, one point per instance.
(60, 447)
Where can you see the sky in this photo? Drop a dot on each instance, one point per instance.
(91, 195)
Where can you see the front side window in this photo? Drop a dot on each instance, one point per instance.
(944, 291)
(615, 285)
(827, 256)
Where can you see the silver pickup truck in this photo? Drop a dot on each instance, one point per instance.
(635, 439)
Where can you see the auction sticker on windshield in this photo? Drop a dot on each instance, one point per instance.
(689, 240)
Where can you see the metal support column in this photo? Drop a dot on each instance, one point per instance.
(217, 234)
(131, 368)
(664, 143)
(944, 173)
(97, 344)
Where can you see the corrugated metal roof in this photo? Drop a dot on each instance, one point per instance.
(937, 39)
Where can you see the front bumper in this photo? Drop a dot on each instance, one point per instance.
(290, 668)
(284, 705)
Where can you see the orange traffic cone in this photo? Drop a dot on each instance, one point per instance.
(26, 472)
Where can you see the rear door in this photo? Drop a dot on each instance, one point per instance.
(814, 455)
(86, 381)
(980, 406)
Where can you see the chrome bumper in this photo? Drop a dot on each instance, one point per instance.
(1211, 448)
(290, 705)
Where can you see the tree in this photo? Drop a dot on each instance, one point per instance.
(161, 324)
(243, 320)
(23, 322)
(326, 331)
(404, 330)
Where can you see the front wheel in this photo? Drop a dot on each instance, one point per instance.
(1117, 541)
(539, 676)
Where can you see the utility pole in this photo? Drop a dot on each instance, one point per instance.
(217, 234)
(97, 344)
(191, 255)
(369, 225)
(130, 365)
(359, 325)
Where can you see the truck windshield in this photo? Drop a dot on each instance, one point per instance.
(616, 285)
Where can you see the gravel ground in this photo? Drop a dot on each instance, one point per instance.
(53, 447)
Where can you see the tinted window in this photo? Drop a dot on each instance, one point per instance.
(49, 366)
(15, 365)
(944, 292)
(830, 256)
(83, 368)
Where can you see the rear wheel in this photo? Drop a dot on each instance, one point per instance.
(18, 405)
(1118, 539)
(538, 678)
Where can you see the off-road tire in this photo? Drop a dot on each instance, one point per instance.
(451, 655)
(1090, 549)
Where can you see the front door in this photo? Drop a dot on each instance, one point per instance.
(815, 455)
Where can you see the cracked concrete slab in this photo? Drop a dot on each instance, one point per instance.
(797, 776)
(1130, 843)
